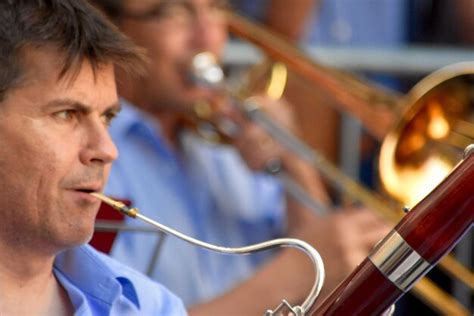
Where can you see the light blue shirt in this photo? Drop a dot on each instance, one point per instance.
(359, 23)
(99, 285)
(206, 192)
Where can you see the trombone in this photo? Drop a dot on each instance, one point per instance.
(431, 294)
(441, 114)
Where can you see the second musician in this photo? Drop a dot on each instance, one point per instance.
(214, 192)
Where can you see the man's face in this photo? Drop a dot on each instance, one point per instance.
(173, 33)
(54, 148)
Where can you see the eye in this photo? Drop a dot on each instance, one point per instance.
(66, 115)
(108, 117)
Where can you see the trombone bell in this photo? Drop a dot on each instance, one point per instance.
(431, 134)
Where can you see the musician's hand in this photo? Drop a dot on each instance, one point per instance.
(255, 145)
(258, 149)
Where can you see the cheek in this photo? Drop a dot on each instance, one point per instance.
(26, 161)
(165, 79)
(165, 56)
(28, 177)
(18, 160)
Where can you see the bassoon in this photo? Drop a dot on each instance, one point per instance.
(428, 232)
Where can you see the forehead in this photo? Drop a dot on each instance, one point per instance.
(45, 64)
(41, 81)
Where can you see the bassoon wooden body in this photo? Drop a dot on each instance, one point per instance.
(427, 233)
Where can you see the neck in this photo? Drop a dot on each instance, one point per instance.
(27, 283)
(170, 125)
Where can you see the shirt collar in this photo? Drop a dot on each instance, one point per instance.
(132, 121)
(84, 268)
(131, 118)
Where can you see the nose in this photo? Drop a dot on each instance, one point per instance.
(98, 149)
(208, 31)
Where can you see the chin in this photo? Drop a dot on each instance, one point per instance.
(75, 236)
(84, 235)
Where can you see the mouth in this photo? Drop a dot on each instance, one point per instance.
(83, 192)
(89, 188)
(88, 191)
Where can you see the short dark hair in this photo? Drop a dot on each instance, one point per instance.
(80, 32)
(112, 8)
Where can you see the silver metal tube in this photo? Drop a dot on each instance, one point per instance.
(267, 245)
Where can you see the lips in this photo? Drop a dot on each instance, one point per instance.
(89, 188)
(81, 194)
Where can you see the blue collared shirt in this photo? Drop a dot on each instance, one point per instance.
(205, 191)
(99, 285)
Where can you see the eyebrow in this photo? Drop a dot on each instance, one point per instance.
(77, 105)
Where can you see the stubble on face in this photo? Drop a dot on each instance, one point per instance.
(40, 150)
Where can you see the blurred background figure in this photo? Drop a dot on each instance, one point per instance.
(215, 192)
